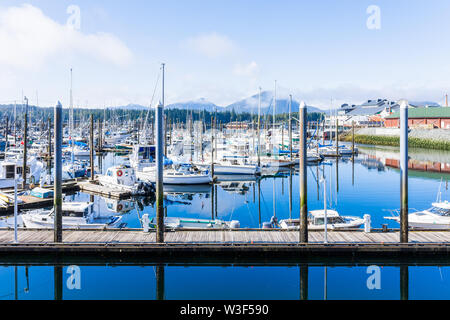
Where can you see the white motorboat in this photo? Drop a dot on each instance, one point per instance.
(76, 215)
(234, 164)
(123, 177)
(330, 151)
(193, 223)
(223, 169)
(316, 221)
(183, 176)
(436, 217)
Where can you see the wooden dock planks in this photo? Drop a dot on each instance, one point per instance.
(224, 242)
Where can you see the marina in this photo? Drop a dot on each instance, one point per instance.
(224, 151)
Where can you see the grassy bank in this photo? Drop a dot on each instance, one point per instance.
(395, 142)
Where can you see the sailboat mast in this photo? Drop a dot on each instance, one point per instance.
(259, 128)
(290, 126)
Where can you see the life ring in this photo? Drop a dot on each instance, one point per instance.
(119, 173)
(119, 207)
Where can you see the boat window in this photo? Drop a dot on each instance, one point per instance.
(440, 211)
(72, 214)
(10, 172)
(331, 220)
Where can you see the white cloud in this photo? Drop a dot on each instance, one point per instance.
(29, 38)
(248, 70)
(211, 45)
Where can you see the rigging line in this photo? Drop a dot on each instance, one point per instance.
(312, 172)
(151, 101)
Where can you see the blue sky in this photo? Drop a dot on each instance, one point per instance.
(224, 50)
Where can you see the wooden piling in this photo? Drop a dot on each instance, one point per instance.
(303, 175)
(403, 171)
(91, 142)
(25, 139)
(58, 174)
(159, 175)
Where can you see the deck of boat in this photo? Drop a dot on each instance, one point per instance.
(257, 243)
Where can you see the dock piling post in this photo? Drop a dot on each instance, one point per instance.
(91, 141)
(49, 148)
(303, 282)
(58, 174)
(290, 127)
(353, 137)
(25, 138)
(403, 171)
(145, 222)
(160, 279)
(303, 178)
(15, 205)
(367, 222)
(58, 282)
(212, 148)
(404, 282)
(337, 137)
(159, 175)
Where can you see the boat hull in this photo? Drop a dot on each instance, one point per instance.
(231, 169)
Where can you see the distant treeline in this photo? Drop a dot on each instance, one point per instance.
(118, 116)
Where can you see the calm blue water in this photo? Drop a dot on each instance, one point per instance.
(365, 186)
(223, 282)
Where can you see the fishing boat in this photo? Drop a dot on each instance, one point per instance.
(75, 215)
(7, 168)
(123, 177)
(192, 223)
(316, 221)
(436, 217)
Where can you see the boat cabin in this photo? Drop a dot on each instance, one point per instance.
(317, 217)
(142, 156)
(122, 174)
(77, 209)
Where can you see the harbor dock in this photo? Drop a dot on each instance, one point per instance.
(245, 243)
(96, 189)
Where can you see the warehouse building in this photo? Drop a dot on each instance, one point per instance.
(429, 118)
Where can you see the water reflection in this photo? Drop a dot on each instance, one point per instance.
(172, 281)
(437, 163)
